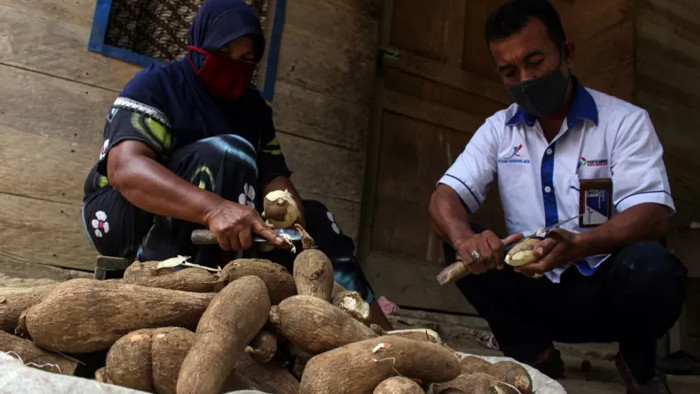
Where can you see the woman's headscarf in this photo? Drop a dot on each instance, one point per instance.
(219, 22)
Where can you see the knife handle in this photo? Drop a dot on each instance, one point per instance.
(203, 237)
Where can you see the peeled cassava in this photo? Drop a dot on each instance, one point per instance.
(523, 253)
(280, 209)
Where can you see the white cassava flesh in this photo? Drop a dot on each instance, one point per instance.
(280, 209)
(352, 303)
(522, 253)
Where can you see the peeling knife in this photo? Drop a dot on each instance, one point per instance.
(543, 231)
(205, 237)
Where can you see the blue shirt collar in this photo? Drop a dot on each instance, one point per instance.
(582, 107)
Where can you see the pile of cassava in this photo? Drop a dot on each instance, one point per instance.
(251, 325)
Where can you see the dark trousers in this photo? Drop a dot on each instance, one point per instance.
(633, 298)
(221, 165)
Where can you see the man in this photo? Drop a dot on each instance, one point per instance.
(607, 276)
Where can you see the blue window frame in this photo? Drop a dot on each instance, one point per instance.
(267, 70)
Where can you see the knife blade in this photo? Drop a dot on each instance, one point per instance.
(205, 237)
(543, 231)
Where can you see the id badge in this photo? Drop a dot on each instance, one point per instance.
(595, 201)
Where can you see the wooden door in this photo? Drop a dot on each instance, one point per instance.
(436, 85)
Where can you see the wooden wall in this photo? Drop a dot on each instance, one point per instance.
(668, 86)
(55, 95)
(323, 99)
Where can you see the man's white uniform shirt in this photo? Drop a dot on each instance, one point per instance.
(538, 181)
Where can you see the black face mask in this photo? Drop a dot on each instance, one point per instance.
(542, 96)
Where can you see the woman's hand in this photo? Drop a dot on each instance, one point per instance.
(233, 226)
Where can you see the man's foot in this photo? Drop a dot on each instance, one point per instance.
(655, 385)
(549, 362)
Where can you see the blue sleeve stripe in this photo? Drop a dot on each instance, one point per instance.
(584, 268)
(647, 192)
(465, 185)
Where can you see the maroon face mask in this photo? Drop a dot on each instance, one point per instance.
(226, 78)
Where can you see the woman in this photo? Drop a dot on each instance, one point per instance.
(191, 144)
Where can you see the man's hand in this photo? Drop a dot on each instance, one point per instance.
(484, 251)
(556, 249)
(233, 226)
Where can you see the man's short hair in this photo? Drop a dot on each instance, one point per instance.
(512, 16)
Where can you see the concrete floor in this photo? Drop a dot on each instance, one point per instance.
(466, 334)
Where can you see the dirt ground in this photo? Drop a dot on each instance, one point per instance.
(469, 335)
(466, 334)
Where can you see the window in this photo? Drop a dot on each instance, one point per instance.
(148, 32)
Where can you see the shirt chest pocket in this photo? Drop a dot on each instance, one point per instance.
(514, 179)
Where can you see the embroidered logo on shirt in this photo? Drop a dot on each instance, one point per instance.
(592, 163)
(515, 157)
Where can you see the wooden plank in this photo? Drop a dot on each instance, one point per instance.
(658, 61)
(667, 38)
(411, 283)
(683, 176)
(577, 16)
(614, 75)
(679, 17)
(683, 243)
(438, 93)
(672, 111)
(46, 273)
(370, 8)
(666, 77)
(476, 56)
(455, 32)
(76, 12)
(690, 329)
(413, 156)
(319, 117)
(44, 167)
(449, 75)
(323, 169)
(373, 144)
(49, 106)
(55, 46)
(432, 113)
(344, 23)
(326, 67)
(419, 26)
(43, 232)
